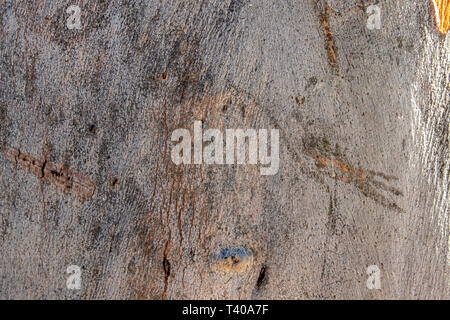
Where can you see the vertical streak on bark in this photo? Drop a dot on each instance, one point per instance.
(330, 44)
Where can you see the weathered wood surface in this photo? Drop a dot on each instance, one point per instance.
(364, 150)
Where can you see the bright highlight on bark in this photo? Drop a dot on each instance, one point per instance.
(442, 14)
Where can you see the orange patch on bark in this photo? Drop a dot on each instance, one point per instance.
(442, 14)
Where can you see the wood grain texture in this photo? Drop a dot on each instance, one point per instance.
(364, 150)
(442, 14)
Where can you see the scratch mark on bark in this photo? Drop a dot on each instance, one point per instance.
(364, 181)
(65, 179)
(330, 44)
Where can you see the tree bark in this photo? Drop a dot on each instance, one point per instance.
(86, 176)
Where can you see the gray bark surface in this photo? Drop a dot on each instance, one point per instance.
(364, 150)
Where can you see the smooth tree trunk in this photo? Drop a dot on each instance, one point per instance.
(86, 176)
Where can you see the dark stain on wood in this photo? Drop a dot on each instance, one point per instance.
(300, 101)
(262, 277)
